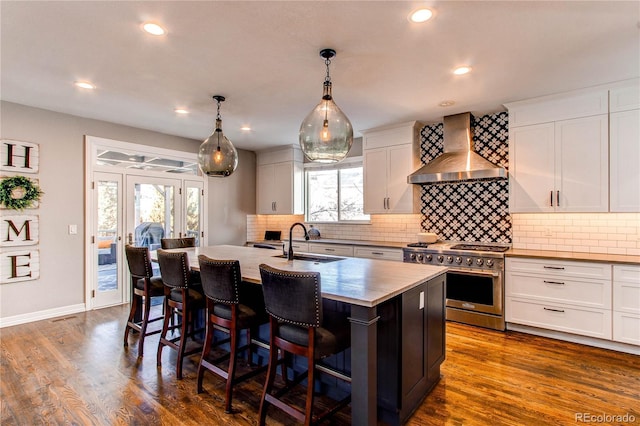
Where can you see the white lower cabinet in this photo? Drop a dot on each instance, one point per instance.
(378, 253)
(332, 249)
(567, 296)
(626, 304)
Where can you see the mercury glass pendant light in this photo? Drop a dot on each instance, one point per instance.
(217, 156)
(326, 134)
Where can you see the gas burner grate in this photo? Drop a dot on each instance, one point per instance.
(421, 245)
(480, 247)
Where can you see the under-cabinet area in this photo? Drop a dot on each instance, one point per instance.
(593, 299)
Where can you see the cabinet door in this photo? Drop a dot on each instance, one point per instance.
(582, 164)
(265, 189)
(531, 166)
(375, 180)
(399, 192)
(625, 161)
(283, 188)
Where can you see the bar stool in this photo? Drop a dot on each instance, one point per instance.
(233, 306)
(294, 302)
(144, 286)
(183, 297)
(173, 243)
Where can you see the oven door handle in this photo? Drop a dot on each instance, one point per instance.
(493, 274)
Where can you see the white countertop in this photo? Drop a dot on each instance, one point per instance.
(364, 282)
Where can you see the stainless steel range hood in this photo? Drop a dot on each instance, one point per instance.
(459, 162)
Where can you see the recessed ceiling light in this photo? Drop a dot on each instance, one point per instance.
(153, 28)
(84, 85)
(420, 15)
(181, 111)
(245, 128)
(446, 103)
(462, 70)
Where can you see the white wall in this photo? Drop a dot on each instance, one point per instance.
(60, 288)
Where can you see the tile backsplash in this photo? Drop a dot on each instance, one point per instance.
(401, 228)
(612, 233)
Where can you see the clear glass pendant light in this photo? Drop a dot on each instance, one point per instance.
(217, 156)
(326, 134)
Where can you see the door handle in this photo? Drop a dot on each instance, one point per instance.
(558, 198)
(551, 198)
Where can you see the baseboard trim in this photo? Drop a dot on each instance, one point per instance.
(574, 338)
(42, 315)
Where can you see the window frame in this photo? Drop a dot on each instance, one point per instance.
(347, 163)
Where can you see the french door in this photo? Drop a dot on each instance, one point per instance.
(135, 197)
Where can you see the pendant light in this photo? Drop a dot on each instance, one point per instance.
(326, 134)
(217, 156)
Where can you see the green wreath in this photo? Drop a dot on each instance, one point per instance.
(19, 192)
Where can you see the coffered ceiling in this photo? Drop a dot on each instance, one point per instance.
(263, 56)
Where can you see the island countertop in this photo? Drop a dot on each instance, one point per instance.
(358, 281)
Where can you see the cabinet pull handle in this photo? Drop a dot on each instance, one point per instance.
(558, 198)
(551, 198)
(329, 249)
(559, 268)
(554, 310)
(553, 282)
(388, 203)
(377, 252)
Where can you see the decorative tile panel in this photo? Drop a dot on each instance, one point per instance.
(473, 211)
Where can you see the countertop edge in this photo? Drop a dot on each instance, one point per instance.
(577, 256)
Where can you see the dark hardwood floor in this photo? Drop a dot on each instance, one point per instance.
(75, 371)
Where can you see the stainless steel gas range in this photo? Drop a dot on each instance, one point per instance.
(475, 279)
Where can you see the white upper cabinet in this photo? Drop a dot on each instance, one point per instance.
(389, 156)
(624, 140)
(560, 163)
(279, 182)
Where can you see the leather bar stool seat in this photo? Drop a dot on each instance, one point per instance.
(298, 325)
(232, 306)
(144, 286)
(174, 243)
(184, 298)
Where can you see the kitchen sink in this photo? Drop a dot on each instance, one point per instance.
(312, 258)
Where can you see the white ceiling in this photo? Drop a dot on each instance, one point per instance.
(263, 56)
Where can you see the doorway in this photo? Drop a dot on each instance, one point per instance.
(138, 198)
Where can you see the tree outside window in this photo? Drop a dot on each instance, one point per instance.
(335, 195)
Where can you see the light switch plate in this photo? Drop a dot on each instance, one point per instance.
(73, 229)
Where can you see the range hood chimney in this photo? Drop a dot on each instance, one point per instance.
(459, 162)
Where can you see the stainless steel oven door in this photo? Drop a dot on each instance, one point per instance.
(477, 291)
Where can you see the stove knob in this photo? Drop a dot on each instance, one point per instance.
(479, 261)
(429, 257)
(489, 262)
(440, 258)
(450, 259)
(458, 260)
(419, 256)
(412, 256)
(469, 261)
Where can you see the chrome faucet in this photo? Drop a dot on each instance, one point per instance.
(306, 237)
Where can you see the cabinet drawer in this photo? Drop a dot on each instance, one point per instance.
(591, 293)
(576, 320)
(378, 253)
(297, 246)
(626, 289)
(559, 268)
(626, 328)
(334, 249)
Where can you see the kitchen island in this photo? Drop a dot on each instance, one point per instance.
(410, 298)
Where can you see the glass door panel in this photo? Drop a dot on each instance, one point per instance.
(107, 239)
(194, 211)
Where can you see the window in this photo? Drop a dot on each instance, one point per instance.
(335, 193)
